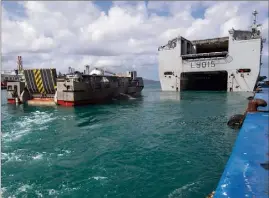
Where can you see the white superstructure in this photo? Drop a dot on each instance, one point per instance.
(229, 63)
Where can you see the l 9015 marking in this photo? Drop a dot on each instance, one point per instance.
(203, 64)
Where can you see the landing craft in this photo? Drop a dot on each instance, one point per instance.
(229, 63)
(43, 87)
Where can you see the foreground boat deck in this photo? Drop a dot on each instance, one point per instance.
(244, 176)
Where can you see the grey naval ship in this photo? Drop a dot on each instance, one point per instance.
(44, 87)
(94, 87)
(229, 63)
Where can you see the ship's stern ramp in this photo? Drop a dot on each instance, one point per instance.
(204, 81)
(41, 82)
(202, 69)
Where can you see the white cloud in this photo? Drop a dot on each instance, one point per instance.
(63, 34)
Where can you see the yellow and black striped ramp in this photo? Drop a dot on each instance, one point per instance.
(30, 80)
(41, 81)
(53, 74)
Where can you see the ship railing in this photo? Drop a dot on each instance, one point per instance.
(213, 40)
(207, 55)
(204, 59)
(218, 60)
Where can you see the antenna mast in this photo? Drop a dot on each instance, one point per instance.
(19, 64)
(255, 16)
(254, 27)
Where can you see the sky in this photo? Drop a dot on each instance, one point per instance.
(115, 35)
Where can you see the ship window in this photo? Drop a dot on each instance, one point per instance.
(243, 70)
(188, 48)
(182, 47)
(6, 78)
(168, 73)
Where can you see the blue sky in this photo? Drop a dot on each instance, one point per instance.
(114, 35)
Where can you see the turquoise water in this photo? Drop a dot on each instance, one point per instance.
(161, 145)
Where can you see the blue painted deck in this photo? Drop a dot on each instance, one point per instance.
(264, 94)
(243, 175)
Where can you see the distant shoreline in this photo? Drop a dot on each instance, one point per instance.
(148, 81)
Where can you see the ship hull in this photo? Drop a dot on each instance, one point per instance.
(102, 97)
(93, 90)
(82, 102)
(71, 90)
(11, 101)
(135, 91)
(232, 62)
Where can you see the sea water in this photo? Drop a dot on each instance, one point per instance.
(164, 144)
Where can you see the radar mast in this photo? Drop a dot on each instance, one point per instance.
(254, 27)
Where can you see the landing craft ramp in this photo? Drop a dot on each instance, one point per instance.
(41, 81)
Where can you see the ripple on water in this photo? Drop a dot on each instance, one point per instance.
(14, 131)
(182, 191)
(28, 156)
(98, 178)
(149, 147)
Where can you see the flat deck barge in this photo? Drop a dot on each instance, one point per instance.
(246, 173)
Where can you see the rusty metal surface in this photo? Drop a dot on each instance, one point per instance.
(263, 94)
